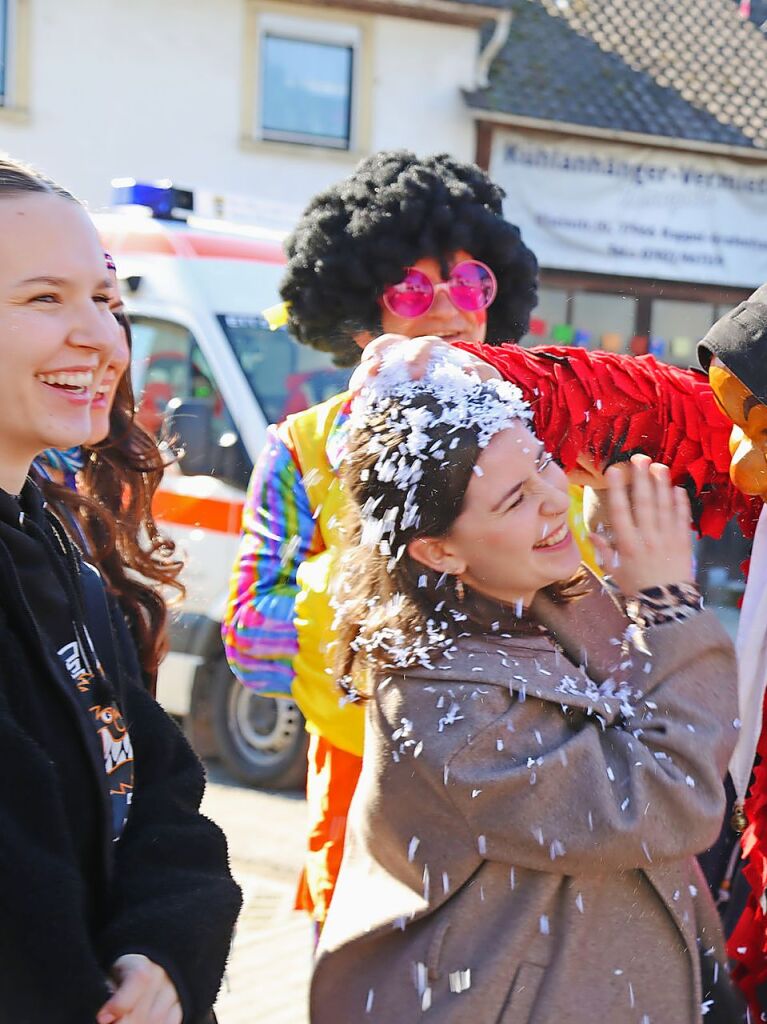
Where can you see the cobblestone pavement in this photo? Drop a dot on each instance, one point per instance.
(269, 969)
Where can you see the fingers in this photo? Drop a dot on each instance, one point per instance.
(372, 355)
(131, 986)
(643, 497)
(624, 530)
(650, 522)
(606, 555)
(166, 1008)
(144, 995)
(416, 354)
(665, 518)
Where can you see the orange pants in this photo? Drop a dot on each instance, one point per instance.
(330, 783)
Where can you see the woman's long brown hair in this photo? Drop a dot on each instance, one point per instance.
(378, 595)
(112, 509)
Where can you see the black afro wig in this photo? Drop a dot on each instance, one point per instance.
(359, 236)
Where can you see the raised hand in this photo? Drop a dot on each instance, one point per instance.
(651, 542)
(416, 353)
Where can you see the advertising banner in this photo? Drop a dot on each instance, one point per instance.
(615, 209)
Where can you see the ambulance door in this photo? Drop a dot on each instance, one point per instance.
(261, 740)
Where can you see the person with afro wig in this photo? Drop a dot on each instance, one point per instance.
(360, 236)
(406, 246)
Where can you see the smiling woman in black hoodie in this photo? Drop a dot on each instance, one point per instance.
(116, 900)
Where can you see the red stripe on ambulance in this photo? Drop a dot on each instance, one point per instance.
(204, 513)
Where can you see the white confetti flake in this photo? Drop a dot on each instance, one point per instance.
(544, 924)
(413, 845)
(475, 793)
(512, 879)
(421, 977)
(369, 1002)
(556, 849)
(610, 774)
(693, 892)
(460, 981)
(690, 781)
(632, 1001)
(482, 845)
(579, 901)
(499, 744)
(445, 883)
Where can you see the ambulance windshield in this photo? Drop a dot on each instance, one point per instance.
(285, 377)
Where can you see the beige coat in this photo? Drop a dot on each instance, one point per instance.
(520, 846)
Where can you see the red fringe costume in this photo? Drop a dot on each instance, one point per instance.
(606, 405)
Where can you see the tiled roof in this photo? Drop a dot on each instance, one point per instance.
(677, 68)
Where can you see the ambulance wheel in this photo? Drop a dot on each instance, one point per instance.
(261, 741)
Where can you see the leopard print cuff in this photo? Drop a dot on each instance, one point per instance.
(655, 606)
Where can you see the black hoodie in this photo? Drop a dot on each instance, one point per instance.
(79, 884)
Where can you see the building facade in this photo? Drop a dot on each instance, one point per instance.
(632, 148)
(269, 101)
(631, 144)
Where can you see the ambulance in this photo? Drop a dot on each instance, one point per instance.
(208, 369)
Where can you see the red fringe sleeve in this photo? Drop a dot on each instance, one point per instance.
(607, 405)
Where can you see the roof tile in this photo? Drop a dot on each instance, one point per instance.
(672, 68)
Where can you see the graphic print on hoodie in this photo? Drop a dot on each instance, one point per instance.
(111, 729)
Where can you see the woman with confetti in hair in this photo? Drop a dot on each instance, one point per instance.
(544, 755)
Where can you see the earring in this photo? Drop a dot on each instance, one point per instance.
(460, 589)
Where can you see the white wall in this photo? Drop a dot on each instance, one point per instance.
(420, 69)
(154, 89)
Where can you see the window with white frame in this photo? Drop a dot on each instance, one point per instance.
(307, 81)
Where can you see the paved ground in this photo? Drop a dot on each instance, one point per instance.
(269, 969)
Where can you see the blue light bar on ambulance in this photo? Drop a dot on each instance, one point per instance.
(161, 198)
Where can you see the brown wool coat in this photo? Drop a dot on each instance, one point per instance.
(517, 854)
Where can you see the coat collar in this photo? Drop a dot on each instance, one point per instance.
(580, 662)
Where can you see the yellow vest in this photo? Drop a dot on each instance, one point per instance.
(315, 689)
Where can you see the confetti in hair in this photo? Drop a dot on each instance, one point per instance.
(419, 415)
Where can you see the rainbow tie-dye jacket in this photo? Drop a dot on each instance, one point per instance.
(278, 624)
